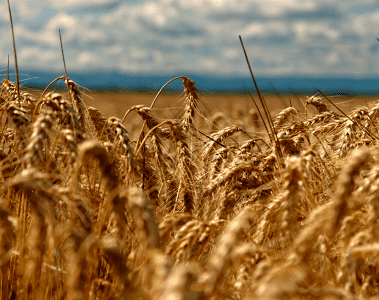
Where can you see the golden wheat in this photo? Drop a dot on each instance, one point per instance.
(185, 212)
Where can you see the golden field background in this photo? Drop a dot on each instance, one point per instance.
(189, 200)
(117, 103)
(234, 106)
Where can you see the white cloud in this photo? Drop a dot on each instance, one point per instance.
(153, 12)
(4, 14)
(306, 31)
(59, 4)
(165, 36)
(211, 65)
(85, 59)
(277, 7)
(114, 50)
(48, 35)
(364, 25)
(265, 28)
(231, 53)
(137, 53)
(38, 58)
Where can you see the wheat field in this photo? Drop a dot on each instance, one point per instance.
(177, 199)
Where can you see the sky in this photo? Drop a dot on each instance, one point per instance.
(168, 37)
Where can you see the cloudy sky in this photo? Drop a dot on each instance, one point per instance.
(293, 37)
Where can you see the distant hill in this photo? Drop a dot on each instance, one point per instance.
(341, 85)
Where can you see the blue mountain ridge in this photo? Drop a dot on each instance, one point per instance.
(296, 84)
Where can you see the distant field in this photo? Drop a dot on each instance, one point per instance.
(116, 104)
(227, 109)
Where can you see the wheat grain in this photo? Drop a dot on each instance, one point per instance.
(191, 102)
(316, 102)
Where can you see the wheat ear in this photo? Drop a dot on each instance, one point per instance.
(219, 260)
(191, 102)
